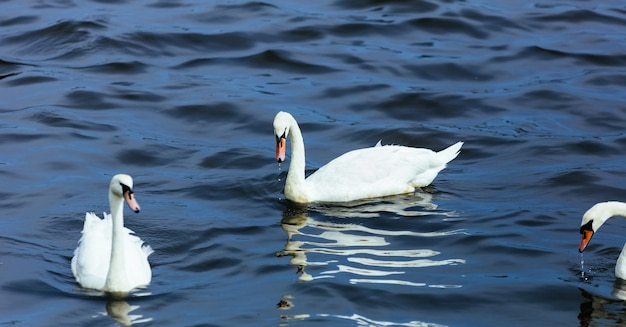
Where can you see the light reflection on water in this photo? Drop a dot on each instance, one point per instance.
(360, 320)
(366, 252)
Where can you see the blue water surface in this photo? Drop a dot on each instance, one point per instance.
(182, 94)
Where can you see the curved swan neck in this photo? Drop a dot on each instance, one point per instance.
(601, 212)
(620, 265)
(617, 208)
(295, 177)
(598, 215)
(116, 279)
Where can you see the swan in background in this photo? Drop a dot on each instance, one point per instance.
(359, 174)
(591, 222)
(109, 257)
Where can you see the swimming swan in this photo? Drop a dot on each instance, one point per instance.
(358, 174)
(593, 219)
(109, 257)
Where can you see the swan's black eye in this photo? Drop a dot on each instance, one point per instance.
(586, 226)
(278, 138)
(284, 136)
(125, 189)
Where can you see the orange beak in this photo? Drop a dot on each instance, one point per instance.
(587, 234)
(131, 201)
(281, 144)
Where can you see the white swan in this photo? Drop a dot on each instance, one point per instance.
(591, 222)
(358, 174)
(109, 257)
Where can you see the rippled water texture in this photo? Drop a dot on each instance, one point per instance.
(181, 95)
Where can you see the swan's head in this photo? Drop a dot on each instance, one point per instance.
(282, 124)
(593, 219)
(122, 186)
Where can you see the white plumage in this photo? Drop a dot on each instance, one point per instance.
(595, 217)
(358, 174)
(109, 256)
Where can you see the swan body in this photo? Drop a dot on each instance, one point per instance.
(591, 222)
(109, 257)
(359, 174)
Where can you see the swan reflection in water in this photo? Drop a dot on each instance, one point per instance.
(118, 308)
(120, 311)
(366, 254)
(364, 248)
(599, 306)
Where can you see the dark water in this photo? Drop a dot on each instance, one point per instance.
(181, 94)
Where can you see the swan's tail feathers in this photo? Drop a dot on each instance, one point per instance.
(449, 153)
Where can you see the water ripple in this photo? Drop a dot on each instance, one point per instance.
(58, 40)
(270, 59)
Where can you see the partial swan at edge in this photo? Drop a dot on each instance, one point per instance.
(591, 222)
